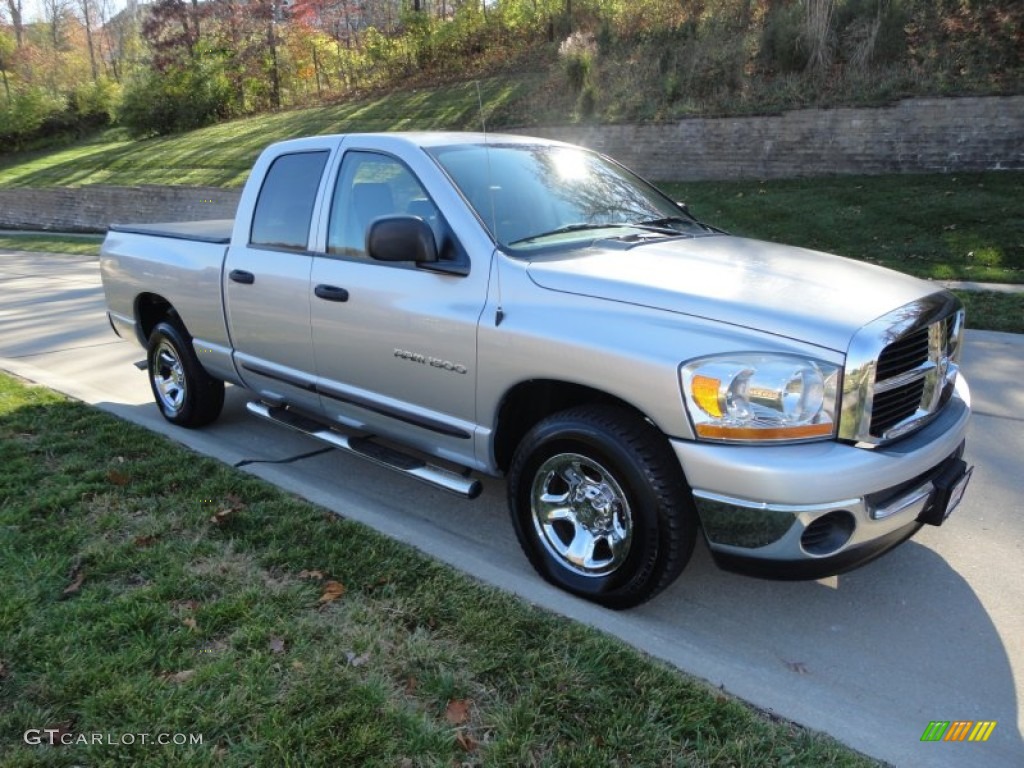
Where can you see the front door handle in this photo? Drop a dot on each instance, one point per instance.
(241, 276)
(331, 293)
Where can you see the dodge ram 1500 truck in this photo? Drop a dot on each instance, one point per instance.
(448, 304)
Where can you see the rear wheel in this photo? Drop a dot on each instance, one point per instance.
(600, 506)
(185, 393)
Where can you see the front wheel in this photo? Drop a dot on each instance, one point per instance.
(600, 506)
(186, 394)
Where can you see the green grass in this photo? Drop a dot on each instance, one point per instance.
(222, 154)
(149, 590)
(989, 311)
(76, 245)
(939, 226)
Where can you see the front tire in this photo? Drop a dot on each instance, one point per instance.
(185, 393)
(600, 506)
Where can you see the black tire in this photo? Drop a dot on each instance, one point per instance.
(185, 393)
(601, 479)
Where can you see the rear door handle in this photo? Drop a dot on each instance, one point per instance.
(331, 293)
(241, 276)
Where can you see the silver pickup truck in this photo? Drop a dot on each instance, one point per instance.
(448, 304)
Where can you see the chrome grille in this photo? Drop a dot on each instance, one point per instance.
(903, 355)
(901, 370)
(895, 405)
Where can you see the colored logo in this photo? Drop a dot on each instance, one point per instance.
(958, 730)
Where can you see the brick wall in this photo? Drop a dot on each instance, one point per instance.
(913, 136)
(94, 208)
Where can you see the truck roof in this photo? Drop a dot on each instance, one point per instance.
(429, 138)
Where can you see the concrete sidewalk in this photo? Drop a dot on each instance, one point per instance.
(932, 631)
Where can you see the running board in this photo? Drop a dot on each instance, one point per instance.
(365, 448)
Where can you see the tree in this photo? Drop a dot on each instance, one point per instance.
(7, 46)
(172, 31)
(14, 8)
(88, 13)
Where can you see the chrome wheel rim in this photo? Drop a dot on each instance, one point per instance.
(581, 514)
(168, 377)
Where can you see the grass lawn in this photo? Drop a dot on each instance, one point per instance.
(221, 155)
(939, 226)
(75, 245)
(148, 590)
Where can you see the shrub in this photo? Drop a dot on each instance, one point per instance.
(24, 116)
(177, 100)
(577, 53)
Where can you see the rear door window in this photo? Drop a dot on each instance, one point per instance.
(284, 208)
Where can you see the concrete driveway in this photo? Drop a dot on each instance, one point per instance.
(932, 631)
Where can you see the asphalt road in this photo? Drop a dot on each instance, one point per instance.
(932, 631)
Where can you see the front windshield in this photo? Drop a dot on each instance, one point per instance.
(533, 196)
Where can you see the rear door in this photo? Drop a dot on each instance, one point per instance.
(266, 281)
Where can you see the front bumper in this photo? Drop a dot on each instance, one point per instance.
(817, 509)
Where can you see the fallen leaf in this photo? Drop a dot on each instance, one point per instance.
(143, 541)
(276, 645)
(332, 591)
(457, 711)
(298, 665)
(75, 585)
(357, 661)
(228, 507)
(214, 646)
(186, 605)
(234, 501)
(798, 666)
(116, 477)
(411, 683)
(314, 574)
(466, 741)
(178, 677)
(54, 733)
(221, 516)
(190, 623)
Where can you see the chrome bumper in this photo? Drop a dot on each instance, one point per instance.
(806, 511)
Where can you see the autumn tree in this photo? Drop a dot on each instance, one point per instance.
(14, 8)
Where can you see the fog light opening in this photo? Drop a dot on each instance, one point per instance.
(828, 533)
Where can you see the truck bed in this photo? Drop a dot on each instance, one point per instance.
(216, 231)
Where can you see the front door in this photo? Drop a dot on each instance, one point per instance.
(395, 345)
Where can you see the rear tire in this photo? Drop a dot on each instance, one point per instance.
(185, 393)
(600, 505)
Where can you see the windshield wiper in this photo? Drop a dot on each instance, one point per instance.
(668, 221)
(647, 226)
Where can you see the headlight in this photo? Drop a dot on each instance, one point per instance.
(753, 397)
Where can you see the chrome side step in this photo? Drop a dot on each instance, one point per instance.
(366, 448)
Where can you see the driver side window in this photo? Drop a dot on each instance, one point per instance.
(370, 186)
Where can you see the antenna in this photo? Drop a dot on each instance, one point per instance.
(499, 313)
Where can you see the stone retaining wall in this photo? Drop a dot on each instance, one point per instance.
(94, 208)
(913, 136)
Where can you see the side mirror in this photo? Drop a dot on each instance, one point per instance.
(401, 238)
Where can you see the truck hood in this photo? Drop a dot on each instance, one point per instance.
(801, 294)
